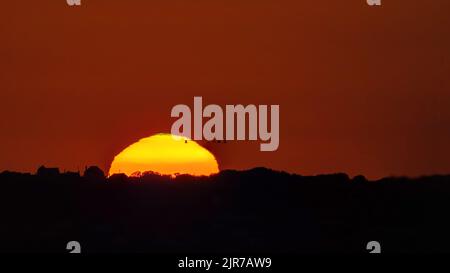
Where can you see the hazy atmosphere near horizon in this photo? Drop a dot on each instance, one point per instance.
(361, 91)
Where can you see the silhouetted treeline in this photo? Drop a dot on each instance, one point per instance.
(254, 211)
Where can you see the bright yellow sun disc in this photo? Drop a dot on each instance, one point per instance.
(165, 154)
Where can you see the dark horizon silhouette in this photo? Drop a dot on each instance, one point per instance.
(251, 211)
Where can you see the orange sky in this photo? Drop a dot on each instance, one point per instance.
(361, 90)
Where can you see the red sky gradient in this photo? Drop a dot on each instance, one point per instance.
(362, 90)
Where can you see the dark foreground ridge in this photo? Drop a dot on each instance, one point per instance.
(254, 211)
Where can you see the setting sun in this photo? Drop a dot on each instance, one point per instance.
(165, 154)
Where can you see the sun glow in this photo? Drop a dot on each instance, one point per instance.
(165, 154)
